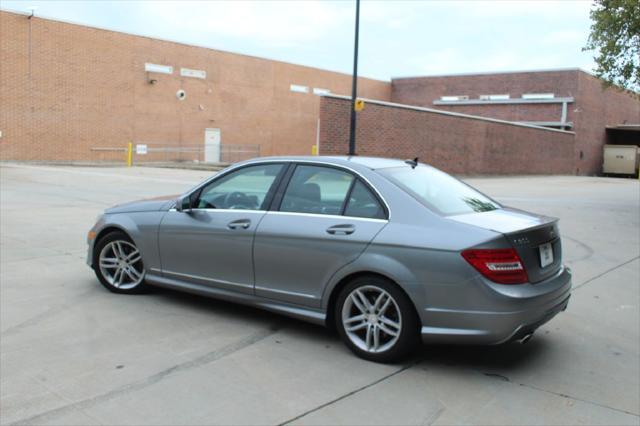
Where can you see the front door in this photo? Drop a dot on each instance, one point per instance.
(212, 243)
(325, 220)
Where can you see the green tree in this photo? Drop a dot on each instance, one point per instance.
(615, 38)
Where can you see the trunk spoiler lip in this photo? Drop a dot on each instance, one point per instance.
(533, 228)
(543, 221)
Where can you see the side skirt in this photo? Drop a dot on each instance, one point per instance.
(302, 313)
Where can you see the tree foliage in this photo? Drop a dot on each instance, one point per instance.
(615, 38)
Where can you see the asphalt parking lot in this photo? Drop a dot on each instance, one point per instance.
(73, 353)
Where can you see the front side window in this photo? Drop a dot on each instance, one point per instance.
(316, 189)
(437, 190)
(244, 189)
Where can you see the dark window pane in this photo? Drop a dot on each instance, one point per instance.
(314, 189)
(362, 203)
(244, 189)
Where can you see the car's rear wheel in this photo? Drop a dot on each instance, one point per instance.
(118, 265)
(376, 319)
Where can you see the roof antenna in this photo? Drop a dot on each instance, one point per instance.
(413, 163)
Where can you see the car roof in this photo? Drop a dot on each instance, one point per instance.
(343, 160)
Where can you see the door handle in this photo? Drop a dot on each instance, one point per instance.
(239, 224)
(345, 229)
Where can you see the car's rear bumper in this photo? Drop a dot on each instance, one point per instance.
(516, 313)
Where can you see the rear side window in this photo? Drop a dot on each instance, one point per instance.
(362, 203)
(437, 190)
(316, 189)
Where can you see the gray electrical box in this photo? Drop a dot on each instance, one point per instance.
(621, 159)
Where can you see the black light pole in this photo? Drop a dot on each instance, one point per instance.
(354, 87)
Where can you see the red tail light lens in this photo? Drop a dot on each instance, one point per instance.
(502, 266)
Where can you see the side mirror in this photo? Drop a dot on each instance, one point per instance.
(183, 204)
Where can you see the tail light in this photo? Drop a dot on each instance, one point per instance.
(502, 266)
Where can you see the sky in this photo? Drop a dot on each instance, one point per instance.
(397, 38)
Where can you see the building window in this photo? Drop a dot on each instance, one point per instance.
(538, 96)
(454, 98)
(299, 89)
(162, 69)
(493, 97)
(318, 91)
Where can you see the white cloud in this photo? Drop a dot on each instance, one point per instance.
(559, 9)
(267, 21)
(565, 36)
(396, 37)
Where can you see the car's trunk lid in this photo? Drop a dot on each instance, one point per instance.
(526, 232)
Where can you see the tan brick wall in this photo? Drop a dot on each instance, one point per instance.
(454, 144)
(87, 88)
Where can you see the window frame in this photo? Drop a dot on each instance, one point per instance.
(276, 202)
(345, 205)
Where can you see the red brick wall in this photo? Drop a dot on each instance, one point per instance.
(594, 107)
(454, 144)
(423, 91)
(87, 88)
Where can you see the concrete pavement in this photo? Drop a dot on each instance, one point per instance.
(73, 353)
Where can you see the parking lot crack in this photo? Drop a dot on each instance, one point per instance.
(586, 401)
(347, 395)
(605, 272)
(153, 379)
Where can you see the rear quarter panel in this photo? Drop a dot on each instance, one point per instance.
(424, 260)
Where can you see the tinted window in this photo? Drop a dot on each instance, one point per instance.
(244, 189)
(439, 191)
(362, 203)
(316, 189)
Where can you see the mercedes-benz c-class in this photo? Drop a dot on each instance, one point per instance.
(388, 252)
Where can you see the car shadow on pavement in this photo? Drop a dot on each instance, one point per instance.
(503, 358)
(240, 312)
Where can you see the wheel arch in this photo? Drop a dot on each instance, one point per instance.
(108, 229)
(344, 281)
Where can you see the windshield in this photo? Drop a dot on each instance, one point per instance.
(437, 190)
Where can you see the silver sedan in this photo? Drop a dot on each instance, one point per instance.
(388, 252)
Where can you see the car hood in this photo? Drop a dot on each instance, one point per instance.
(505, 220)
(146, 205)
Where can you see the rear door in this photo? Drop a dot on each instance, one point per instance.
(323, 218)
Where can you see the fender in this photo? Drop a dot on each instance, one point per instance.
(142, 228)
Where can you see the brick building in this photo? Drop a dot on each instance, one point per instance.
(68, 89)
(457, 143)
(75, 93)
(568, 99)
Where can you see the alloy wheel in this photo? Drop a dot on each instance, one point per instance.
(120, 264)
(371, 319)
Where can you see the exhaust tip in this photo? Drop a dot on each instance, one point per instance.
(525, 339)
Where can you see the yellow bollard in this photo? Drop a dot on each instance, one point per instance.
(129, 154)
(314, 149)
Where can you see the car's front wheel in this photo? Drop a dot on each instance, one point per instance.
(118, 265)
(376, 319)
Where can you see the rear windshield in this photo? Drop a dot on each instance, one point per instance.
(437, 190)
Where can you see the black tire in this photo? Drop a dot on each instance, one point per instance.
(109, 238)
(409, 334)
